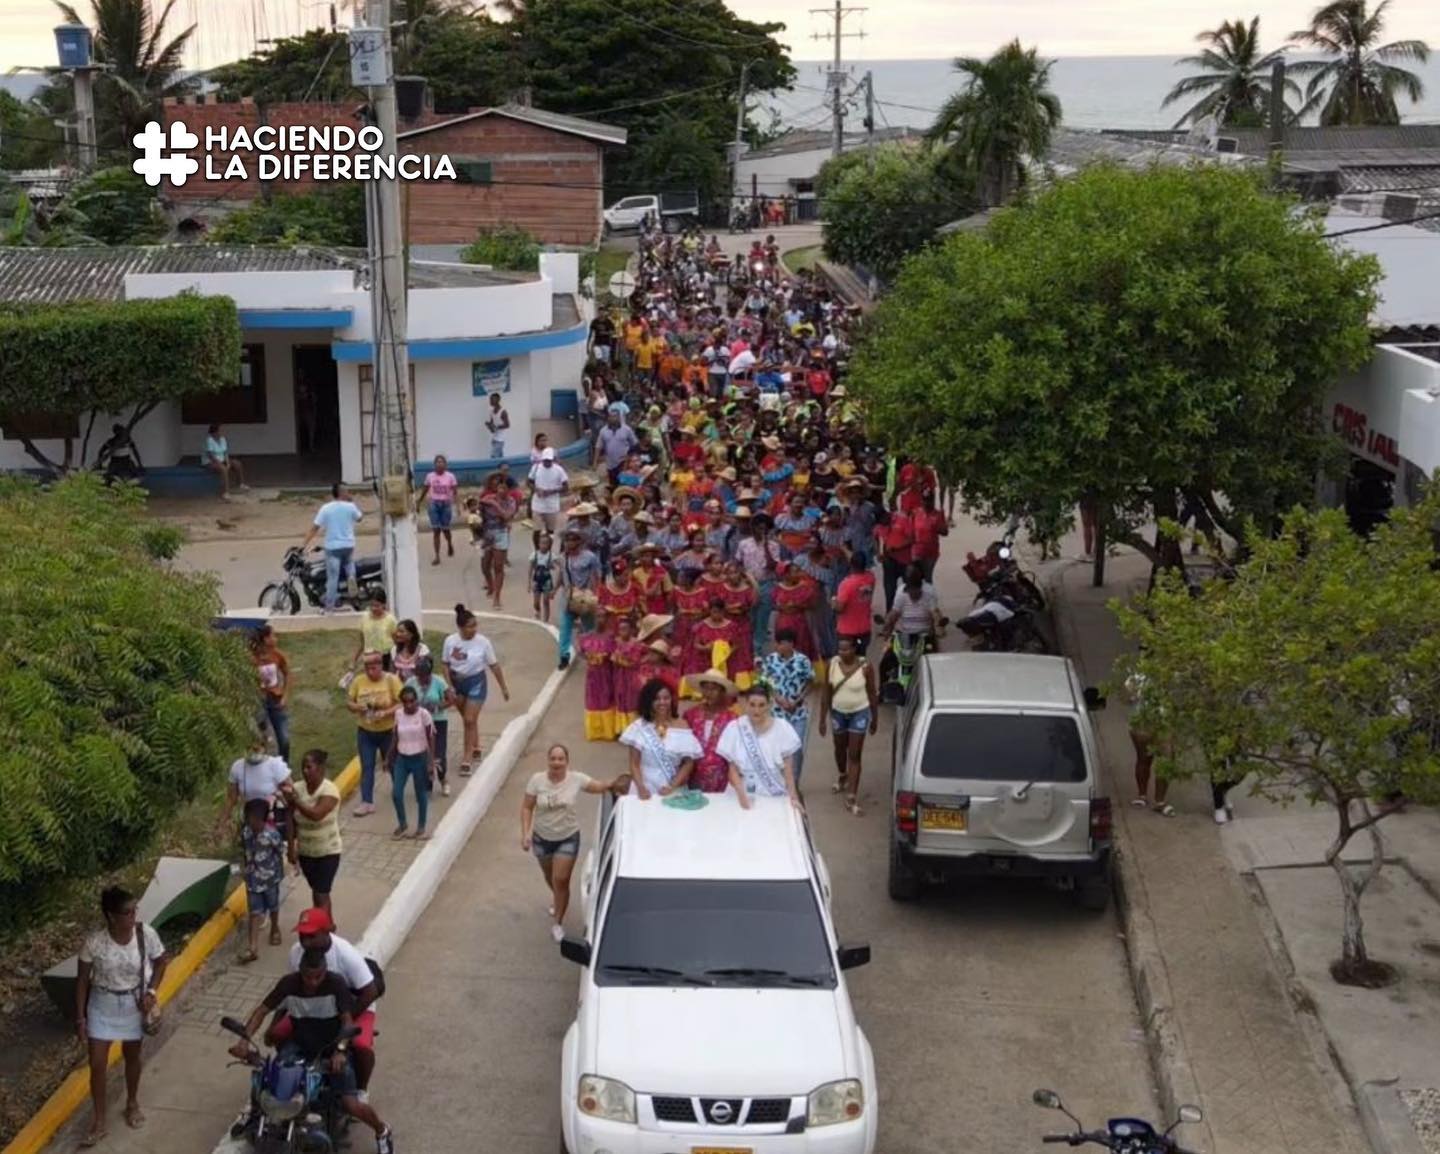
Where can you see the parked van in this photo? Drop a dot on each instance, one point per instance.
(996, 774)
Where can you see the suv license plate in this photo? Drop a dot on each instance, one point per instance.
(952, 820)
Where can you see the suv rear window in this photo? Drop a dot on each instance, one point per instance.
(1003, 747)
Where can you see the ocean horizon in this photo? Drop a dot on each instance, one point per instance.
(1095, 92)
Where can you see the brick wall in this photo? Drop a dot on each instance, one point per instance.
(530, 169)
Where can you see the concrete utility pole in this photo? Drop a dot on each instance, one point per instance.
(837, 73)
(870, 115)
(1277, 110)
(739, 134)
(395, 444)
(84, 82)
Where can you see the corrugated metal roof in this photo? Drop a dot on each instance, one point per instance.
(812, 140)
(1400, 178)
(56, 275)
(1384, 138)
(575, 125)
(1073, 148)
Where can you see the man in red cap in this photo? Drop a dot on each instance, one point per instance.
(317, 932)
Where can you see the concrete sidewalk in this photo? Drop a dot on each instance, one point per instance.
(189, 1095)
(1216, 1000)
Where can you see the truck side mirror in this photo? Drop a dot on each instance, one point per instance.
(576, 950)
(1094, 699)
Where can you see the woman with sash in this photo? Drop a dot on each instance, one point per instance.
(760, 749)
(662, 748)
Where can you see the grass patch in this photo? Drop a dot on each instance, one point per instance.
(800, 259)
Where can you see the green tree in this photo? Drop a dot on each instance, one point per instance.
(27, 137)
(1317, 671)
(654, 67)
(884, 206)
(507, 247)
(89, 358)
(1234, 78)
(145, 65)
(1361, 80)
(1004, 114)
(332, 215)
(1124, 336)
(117, 207)
(119, 701)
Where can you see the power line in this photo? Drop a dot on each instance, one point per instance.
(1383, 225)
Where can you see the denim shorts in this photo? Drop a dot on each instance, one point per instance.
(473, 688)
(498, 538)
(442, 513)
(266, 901)
(543, 847)
(857, 722)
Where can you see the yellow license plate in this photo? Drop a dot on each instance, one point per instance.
(952, 820)
(721, 1150)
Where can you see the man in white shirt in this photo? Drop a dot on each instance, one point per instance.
(316, 930)
(548, 482)
(497, 422)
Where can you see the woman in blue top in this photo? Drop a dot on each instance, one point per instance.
(218, 460)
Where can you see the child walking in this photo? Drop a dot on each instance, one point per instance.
(542, 575)
(264, 849)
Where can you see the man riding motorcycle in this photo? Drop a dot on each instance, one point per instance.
(915, 618)
(318, 1005)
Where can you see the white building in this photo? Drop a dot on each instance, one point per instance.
(789, 165)
(1388, 413)
(306, 394)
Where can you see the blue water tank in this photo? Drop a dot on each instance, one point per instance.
(72, 42)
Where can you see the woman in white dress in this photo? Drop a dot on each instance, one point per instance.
(761, 748)
(120, 970)
(662, 747)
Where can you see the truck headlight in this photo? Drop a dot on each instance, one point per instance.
(605, 1098)
(835, 1102)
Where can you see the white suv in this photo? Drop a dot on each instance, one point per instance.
(713, 1014)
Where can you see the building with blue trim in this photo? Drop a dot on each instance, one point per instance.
(306, 387)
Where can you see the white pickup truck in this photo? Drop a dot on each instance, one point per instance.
(673, 211)
(713, 1013)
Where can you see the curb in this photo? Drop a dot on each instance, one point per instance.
(72, 1093)
(410, 898)
(1169, 1057)
(1385, 1119)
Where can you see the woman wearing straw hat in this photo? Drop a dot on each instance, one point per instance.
(708, 721)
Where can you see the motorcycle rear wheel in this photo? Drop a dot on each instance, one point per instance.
(279, 597)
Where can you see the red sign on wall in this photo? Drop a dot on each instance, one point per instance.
(1353, 427)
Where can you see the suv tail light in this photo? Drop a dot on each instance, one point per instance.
(907, 808)
(1102, 819)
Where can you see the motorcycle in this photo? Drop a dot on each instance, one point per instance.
(897, 665)
(306, 571)
(1002, 623)
(997, 562)
(292, 1110)
(1122, 1135)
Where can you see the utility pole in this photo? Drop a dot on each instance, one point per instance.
(84, 80)
(837, 72)
(1277, 119)
(739, 133)
(399, 540)
(870, 116)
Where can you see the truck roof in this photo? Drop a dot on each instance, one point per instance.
(1003, 680)
(720, 842)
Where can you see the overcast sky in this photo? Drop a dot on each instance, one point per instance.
(895, 29)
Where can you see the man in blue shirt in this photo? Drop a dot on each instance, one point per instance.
(336, 519)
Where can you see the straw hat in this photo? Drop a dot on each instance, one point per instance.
(643, 518)
(838, 391)
(728, 473)
(653, 623)
(584, 509)
(661, 648)
(583, 602)
(583, 479)
(743, 513)
(715, 677)
(747, 495)
(621, 491)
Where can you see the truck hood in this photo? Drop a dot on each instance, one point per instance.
(737, 1042)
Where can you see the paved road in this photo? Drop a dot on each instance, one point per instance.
(974, 997)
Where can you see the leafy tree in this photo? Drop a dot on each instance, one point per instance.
(1004, 113)
(648, 66)
(1360, 82)
(884, 206)
(27, 137)
(145, 66)
(1317, 670)
(1124, 336)
(314, 66)
(1234, 78)
(99, 357)
(118, 207)
(506, 247)
(333, 215)
(119, 701)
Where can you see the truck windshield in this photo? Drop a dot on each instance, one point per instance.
(721, 933)
(1003, 747)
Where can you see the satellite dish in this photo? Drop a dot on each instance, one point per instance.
(622, 284)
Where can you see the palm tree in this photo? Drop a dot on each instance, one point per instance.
(1361, 76)
(144, 66)
(1235, 79)
(1004, 113)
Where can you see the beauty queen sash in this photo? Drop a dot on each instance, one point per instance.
(760, 776)
(657, 751)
